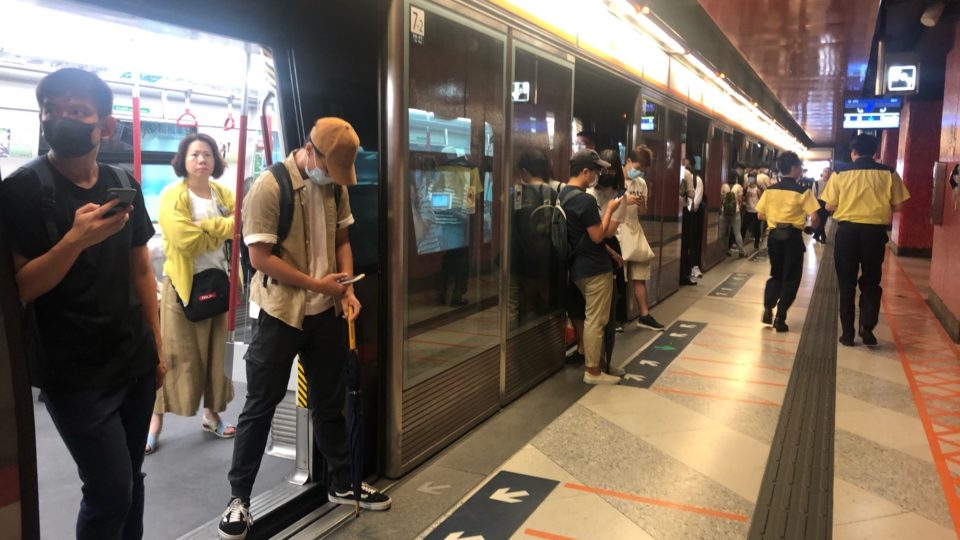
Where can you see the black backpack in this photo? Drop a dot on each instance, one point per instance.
(285, 220)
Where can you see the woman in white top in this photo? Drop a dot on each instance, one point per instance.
(196, 218)
(632, 238)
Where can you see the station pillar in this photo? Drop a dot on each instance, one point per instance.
(918, 150)
(889, 147)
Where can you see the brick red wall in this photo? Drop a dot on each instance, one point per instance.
(919, 149)
(944, 275)
(889, 145)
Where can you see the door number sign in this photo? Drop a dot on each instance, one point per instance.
(417, 26)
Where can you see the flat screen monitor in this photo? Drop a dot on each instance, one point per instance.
(441, 201)
(872, 113)
(648, 123)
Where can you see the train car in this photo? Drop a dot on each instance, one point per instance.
(446, 95)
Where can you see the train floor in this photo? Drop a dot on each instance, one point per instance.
(186, 478)
(680, 449)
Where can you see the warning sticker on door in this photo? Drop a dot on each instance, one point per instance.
(417, 25)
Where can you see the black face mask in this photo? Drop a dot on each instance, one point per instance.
(69, 138)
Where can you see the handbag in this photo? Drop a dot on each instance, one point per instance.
(633, 243)
(209, 296)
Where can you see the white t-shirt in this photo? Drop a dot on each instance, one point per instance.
(202, 209)
(751, 197)
(698, 194)
(317, 245)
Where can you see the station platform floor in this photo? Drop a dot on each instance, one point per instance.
(680, 449)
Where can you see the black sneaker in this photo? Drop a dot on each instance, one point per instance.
(847, 340)
(869, 339)
(780, 325)
(767, 318)
(236, 520)
(648, 322)
(574, 359)
(370, 498)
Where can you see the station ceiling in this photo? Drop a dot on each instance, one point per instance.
(809, 52)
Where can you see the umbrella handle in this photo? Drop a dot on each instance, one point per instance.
(351, 330)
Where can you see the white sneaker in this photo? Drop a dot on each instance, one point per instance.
(696, 272)
(602, 378)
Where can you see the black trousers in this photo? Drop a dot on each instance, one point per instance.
(322, 348)
(751, 223)
(859, 251)
(786, 269)
(691, 241)
(105, 431)
(821, 232)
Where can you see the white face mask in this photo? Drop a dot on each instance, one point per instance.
(318, 175)
(596, 180)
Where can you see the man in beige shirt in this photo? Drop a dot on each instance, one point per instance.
(299, 287)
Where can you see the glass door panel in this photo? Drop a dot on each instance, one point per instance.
(456, 128)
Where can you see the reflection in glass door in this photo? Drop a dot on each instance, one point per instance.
(542, 102)
(447, 299)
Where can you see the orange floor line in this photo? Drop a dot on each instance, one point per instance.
(731, 363)
(548, 536)
(658, 502)
(947, 480)
(777, 352)
(719, 378)
(667, 390)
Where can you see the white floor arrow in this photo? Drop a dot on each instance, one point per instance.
(688, 326)
(652, 363)
(460, 536)
(505, 495)
(678, 335)
(632, 377)
(431, 489)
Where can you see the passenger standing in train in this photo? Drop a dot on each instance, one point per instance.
(299, 288)
(196, 218)
(731, 199)
(863, 198)
(590, 266)
(638, 254)
(785, 207)
(83, 272)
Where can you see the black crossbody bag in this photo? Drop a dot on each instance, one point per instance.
(210, 293)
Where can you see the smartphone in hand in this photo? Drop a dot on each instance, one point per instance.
(126, 197)
(351, 280)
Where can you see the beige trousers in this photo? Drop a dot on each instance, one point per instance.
(194, 352)
(598, 292)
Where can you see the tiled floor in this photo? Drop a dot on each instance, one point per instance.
(685, 458)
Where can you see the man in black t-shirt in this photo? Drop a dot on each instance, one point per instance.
(91, 322)
(591, 268)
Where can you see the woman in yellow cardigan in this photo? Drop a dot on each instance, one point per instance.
(196, 218)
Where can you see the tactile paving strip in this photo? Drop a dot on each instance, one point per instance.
(796, 494)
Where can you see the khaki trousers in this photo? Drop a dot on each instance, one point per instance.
(598, 292)
(194, 352)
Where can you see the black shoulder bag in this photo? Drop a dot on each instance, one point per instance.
(210, 293)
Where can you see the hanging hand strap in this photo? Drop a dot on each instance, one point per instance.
(187, 119)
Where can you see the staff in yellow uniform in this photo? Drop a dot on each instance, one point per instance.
(863, 197)
(785, 207)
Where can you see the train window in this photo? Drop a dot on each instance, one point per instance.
(456, 127)
(540, 159)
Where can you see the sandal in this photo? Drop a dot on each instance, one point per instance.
(220, 430)
(152, 444)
